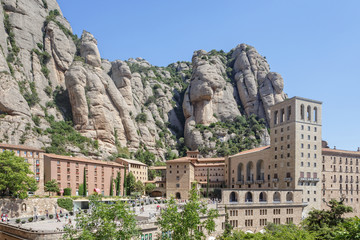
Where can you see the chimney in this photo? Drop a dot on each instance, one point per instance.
(335, 147)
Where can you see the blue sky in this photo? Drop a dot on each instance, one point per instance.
(314, 45)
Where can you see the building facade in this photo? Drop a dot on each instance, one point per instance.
(340, 178)
(33, 156)
(69, 173)
(183, 172)
(137, 168)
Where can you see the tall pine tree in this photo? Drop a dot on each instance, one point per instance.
(118, 184)
(111, 187)
(84, 183)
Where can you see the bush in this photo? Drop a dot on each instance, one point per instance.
(141, 117)
(42, 218)
(61, 215)
(18, 220)
(66, 203)
(67, 191)
(51, 216)
(30, 219)
(71, 213)
(23, 221)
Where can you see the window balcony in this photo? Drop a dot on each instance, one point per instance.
(259, 181)
(288, 179)
(275, 180)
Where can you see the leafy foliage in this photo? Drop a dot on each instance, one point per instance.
(15, 176)
(185, 224)
(145, 156)
(66, 203)
(141, 117)
(149, 188)
(324, 223)
(62, 133)
(104, 221)
(139, 187)
(130, 183)
(67, 192)
(51, 186)
(246, 133)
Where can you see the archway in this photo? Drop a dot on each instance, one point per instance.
(249, 171)
(262, 197)
(233, 197)
(178, 195)
(240, 173)
(248, 197)
(260, 170)
(276, 197)
(289, 197)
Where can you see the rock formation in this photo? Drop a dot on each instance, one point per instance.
(49, 76)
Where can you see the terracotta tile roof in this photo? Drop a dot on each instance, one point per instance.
(251, 151)
(131, 161)
(77, 159)
(180, 160)
(338, 151)
(20, 147)
(211, 159)
(157, 167)
(210, 165)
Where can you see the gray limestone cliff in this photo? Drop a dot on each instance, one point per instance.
(57, 93)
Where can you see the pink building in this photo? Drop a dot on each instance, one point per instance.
(69, 173)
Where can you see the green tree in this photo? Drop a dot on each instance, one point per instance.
(111, 187)
(104, 221)
(139, 187)
(84, 184)
(349, 229)
(67, 192)
(324, 223)
(15, 176)
(81, 190)
(51, 186)
(149, 188)
(130, 183)
(274, 232)
(118, 184)
(184, 224)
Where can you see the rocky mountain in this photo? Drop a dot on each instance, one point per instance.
(57, 93)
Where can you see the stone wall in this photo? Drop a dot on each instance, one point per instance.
(8, 232)
(18, 208)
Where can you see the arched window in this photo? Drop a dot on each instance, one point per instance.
(289, 197)
(302, 111)
(23, 207)
(262, 197)
(315, 114)
(260, 170)
(233, 197)
(276, 117)
(308, 113)
(276, 197)
(178, 195)
(240, 172)
(288, 113)
(250, 172)
(248, 197)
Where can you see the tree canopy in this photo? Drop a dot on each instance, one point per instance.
(185, 224)
(104, 221)
(51, 186)
(16, 179)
